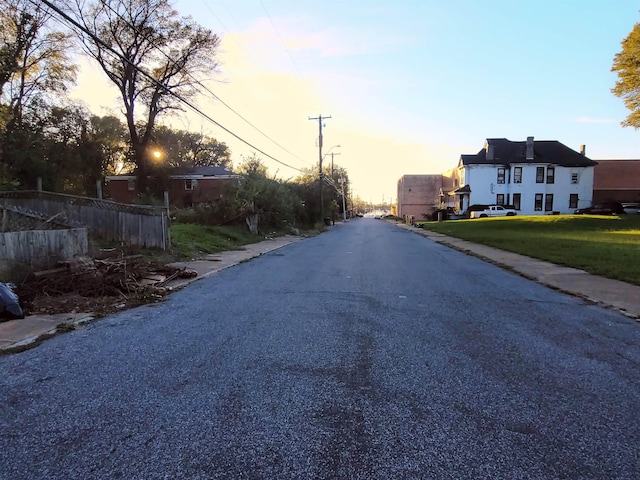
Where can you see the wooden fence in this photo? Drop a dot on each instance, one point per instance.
(131, 224)
(39, 249)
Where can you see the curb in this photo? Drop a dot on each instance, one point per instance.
(62, 323)
(600, 296)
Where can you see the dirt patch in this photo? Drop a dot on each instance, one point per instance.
(100, 286)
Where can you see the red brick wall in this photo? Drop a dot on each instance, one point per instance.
(118, 191)
(207, 190)
(617, 180)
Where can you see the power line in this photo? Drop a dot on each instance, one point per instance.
(280, 38)
(150, 77)
(203, 86)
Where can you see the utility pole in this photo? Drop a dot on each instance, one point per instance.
(320, 118)
(332, 154)
(342, 181)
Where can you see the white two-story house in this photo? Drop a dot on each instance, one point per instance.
(541, 177)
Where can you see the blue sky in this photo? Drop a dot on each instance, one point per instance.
(411, 85)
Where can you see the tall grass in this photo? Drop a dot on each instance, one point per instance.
(190, 240)
(603, 245)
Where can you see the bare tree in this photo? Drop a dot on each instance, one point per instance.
(152, 55)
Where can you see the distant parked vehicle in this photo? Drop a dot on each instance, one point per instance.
(631, 208)
(493, 211)
(608, 207)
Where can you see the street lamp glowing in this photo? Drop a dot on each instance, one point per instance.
(156, 155)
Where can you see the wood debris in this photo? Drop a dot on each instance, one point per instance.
(85, 284)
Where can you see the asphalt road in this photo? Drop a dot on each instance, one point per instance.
(367, 352)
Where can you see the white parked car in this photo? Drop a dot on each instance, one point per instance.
(493, 211)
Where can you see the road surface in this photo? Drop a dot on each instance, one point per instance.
(367, 352)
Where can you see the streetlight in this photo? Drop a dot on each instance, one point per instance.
(329, 151)
(332, 154)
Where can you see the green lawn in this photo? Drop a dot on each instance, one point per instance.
(190, 240)
(602, 245)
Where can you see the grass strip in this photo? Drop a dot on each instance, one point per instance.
(602, 245)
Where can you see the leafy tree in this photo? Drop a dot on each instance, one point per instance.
(147, 36)
(34, 59)
(359, 205)
(34, 66)
(16, 27)
(189, 149)
(626, 64)
(62, 154)
(308, 187)
(338, 182)
(263, 199)
(257, 200)
(56, 144)
(109, 134)
(23, 144)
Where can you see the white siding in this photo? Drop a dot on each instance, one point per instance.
(483, 181)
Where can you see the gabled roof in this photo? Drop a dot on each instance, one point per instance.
(506, 152)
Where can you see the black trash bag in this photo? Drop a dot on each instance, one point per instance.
(9, 306)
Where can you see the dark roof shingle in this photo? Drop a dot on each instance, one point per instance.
(506, 152)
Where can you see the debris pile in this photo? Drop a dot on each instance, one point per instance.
(101, 286)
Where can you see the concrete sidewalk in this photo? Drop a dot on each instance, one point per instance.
(605, 292)
(16, 335)
(19, 334)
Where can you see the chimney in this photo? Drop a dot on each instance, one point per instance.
(490, 151)
(530, 148)
(583, 150)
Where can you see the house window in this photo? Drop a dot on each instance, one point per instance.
(501, 175)
(190, 184)
(538, 203)
(517, 175)
(131, 185)
(540, 175)
(551, 174)
(573, 200)
(574, 177)
(517, 197)
(548, 202)
(500, 199)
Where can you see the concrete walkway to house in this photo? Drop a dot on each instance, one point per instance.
(606, 292)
